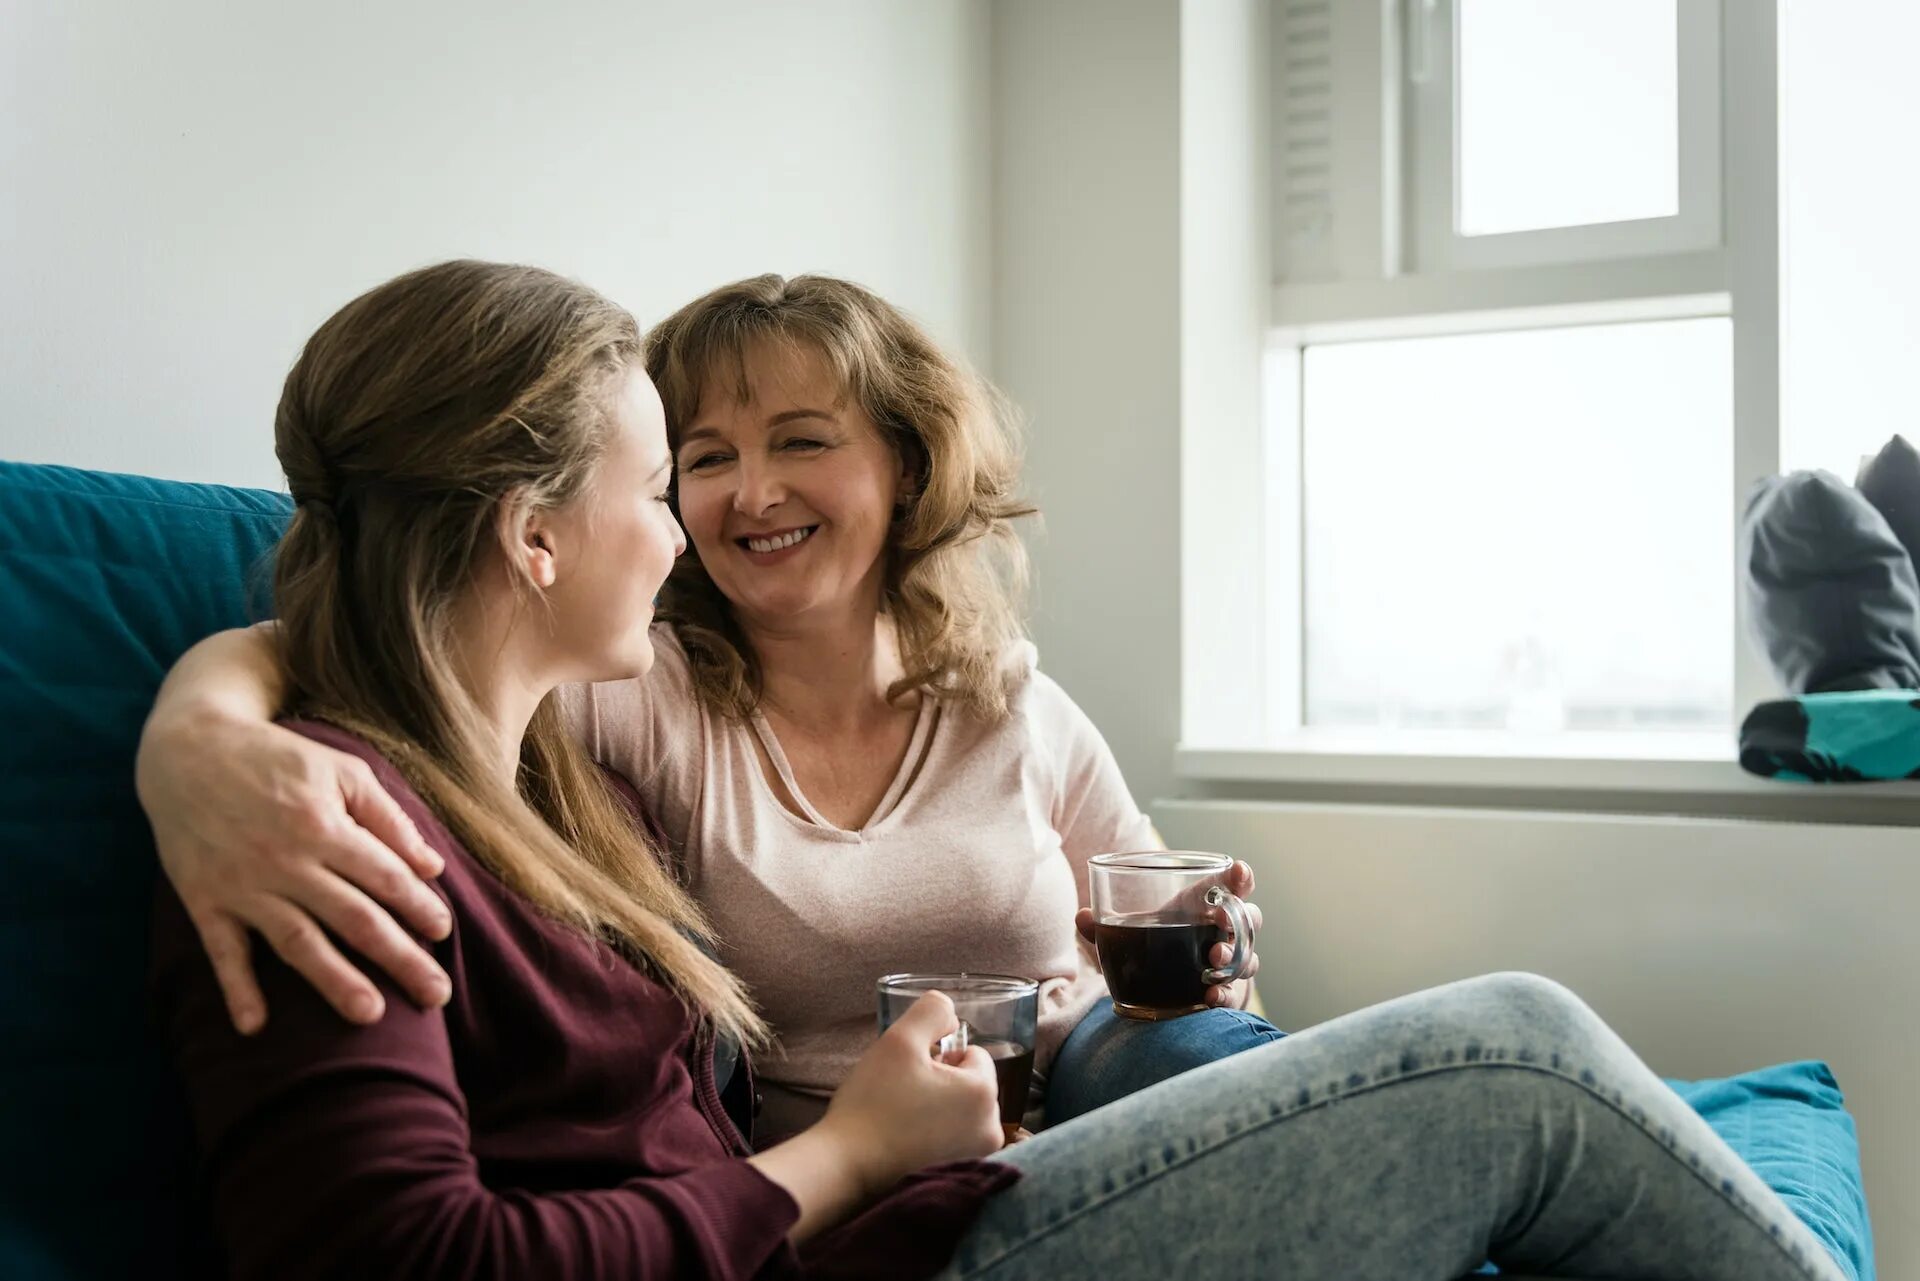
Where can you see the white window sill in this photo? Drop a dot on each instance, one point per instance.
(1670, 763)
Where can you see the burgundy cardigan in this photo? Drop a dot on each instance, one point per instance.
(558, 1118)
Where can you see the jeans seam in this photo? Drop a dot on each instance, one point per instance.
(1586, 1080)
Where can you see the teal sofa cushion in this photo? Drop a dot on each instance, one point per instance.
(106, 580)
(1790, 1123)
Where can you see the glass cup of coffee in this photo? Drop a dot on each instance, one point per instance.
(997, 1013)
(1156, 917)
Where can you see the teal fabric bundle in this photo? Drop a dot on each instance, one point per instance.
(1854, 736)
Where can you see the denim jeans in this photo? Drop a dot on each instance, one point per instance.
(1108, 1057)
(1497, 1118)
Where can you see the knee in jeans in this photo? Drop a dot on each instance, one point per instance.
(1537, 1000)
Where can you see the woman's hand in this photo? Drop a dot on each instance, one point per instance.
(905, 1109)
(1234, 995)
(899, 1110)
(261, 828)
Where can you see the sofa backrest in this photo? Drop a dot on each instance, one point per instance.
(104, 581)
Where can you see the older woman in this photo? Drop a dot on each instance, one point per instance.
(859, 766)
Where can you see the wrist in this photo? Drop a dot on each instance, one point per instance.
(861, 1157)
(179, 727)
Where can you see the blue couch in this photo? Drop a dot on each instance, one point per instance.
(105, 581)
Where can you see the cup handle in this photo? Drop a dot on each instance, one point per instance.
(954, 1044)
(1236, 967)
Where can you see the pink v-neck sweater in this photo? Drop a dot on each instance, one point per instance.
(974, 860)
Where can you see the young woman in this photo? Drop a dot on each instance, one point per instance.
(481, 472)
(853, 752)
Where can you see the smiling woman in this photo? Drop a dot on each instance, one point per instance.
(812, 404)
(859, 768)
(794, 469)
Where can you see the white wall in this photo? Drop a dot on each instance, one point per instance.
(187, 189)
(1086, 329)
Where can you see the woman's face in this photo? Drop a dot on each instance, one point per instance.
(614, 544)
(788, 495)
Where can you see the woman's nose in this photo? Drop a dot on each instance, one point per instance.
(760, 490)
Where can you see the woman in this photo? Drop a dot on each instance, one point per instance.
(853, 752)
(481, 472)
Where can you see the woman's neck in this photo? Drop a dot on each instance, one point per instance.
(506, 683)
(829, 672)
(506, 705)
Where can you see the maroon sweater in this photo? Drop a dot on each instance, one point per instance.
(558, 1118)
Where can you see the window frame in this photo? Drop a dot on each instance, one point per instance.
(1366, 282)
(1433, 159)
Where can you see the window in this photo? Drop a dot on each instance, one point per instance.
(1568, 113)
(1571, 130)
(1520, 531)
(1521, 365)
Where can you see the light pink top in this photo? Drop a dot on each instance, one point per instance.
(975, 859)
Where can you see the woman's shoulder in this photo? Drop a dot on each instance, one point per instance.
(1039, 709)
(385, 772)
(345, 740)
(1032, 694)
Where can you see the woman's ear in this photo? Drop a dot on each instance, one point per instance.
(527, 538)
(911, 457)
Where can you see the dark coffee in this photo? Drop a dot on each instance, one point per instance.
(1013, 1066)
(1153, 962)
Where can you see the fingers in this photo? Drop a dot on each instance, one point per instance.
(359, 922)
(1232, 996)
(357, 856)
(373, 808)
(1240, 879)
(1083, 922)
(300, 942)
(1220, 955)
(1256, 919)
(225, 941)
(978, 1063)
(930, 1018)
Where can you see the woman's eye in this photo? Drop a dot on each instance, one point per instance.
(802, 443)
(704, 460)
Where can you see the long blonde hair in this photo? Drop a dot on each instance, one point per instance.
(411, 417)
(955, 570)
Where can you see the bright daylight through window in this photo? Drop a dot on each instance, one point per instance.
(1568, 113)
(1523, 531)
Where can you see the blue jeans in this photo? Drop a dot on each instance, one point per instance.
(1494, 1118)
(1107, 1057)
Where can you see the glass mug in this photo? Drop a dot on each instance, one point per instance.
(1156, 917)
(997, 1012)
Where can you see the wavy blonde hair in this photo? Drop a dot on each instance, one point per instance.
(955, 572)
(413, 415)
